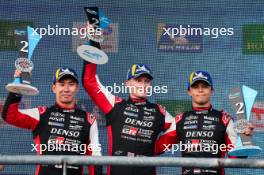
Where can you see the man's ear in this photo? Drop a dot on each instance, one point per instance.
(53, 88)
(189, 93)
(78, 88)
(127, 83)
(212, 92)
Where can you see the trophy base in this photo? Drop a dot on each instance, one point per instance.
(23, 89)
(245, 151)
(92, 54)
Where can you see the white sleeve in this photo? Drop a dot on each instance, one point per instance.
(94, 140)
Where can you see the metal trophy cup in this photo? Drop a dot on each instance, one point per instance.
(91, 51)
(242, 100)
(27, 40)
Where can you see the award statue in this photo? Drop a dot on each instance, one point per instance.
(27, 40)
(242, 100)
(91, 51)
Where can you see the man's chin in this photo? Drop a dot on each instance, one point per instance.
(142, 96)
(67, 101)
(202, 103)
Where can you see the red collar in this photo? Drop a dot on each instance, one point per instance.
(202, 108)
(137, 100)
(64, 108)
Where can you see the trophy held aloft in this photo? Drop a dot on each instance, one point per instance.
(27, 41)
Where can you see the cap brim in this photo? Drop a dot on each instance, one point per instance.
(143, 73)
(195, 81)
(67, 76)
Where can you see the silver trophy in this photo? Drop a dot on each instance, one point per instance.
(27, 40)
(242, 100)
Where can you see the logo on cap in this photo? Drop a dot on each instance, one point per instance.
(61, 72)
(200, 76)
(137, 70)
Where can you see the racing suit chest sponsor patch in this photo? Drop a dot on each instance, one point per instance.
(67, 132)
(204, 141)
(136, 123)
(206, 127)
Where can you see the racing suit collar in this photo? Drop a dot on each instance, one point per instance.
(198, 109)
(138, 101)
(65, 108)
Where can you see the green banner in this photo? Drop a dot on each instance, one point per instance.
(253, 39)
(175, 107)
(7, 37)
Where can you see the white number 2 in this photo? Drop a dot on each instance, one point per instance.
(240, 109)
(24, 48)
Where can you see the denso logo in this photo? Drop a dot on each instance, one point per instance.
(65, 132)
(139, 122)
(199, 134)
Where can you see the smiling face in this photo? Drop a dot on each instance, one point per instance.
(139, 86)
(200, 92)
(65, 90)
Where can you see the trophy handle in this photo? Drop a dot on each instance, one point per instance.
(26, 78)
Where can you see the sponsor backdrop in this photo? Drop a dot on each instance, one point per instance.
(173, 37)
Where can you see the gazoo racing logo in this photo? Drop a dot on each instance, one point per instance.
(65, 132)
(130, 130)
(203, 134)
(135, 122)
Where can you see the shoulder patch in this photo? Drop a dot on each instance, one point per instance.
(42, 109)
(162, 109)
(118, 99)
(178, 117)
(225, 118)
(90, 117)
